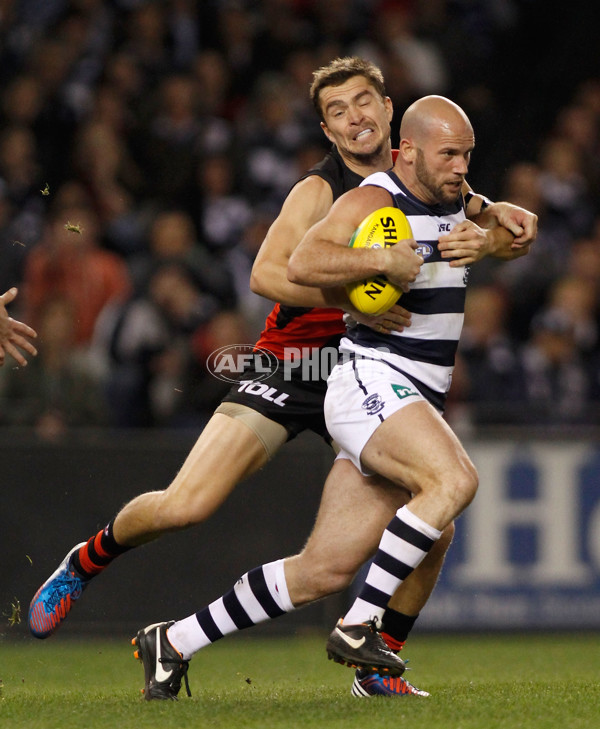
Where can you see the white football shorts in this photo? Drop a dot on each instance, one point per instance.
(361, 394)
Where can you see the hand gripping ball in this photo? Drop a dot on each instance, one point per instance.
(381, 229)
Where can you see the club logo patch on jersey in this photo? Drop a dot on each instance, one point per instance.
(373, 404)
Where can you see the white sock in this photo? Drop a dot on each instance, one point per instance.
(405, 542)
(259, 595)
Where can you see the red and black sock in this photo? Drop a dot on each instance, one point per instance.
(97, 553)
(395, 628)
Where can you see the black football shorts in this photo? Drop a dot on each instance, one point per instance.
(287, 396)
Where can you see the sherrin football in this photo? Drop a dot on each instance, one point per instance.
(381, 229)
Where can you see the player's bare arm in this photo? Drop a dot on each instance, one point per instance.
(468, 243)
(324, 259)
(502, 224)
(308, 203)
(14, 335)
(521, 223)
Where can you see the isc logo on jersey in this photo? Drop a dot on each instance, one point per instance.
(381, 229)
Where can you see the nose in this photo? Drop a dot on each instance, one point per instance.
(355, 114)
(461, 166)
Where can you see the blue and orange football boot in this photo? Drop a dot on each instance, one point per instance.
(372, 684)
(53, 601)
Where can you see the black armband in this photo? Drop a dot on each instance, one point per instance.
(485, 202)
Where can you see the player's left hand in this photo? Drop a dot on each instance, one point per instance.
(14, 335)
(466, 243)
(521, 223)
(393, 320)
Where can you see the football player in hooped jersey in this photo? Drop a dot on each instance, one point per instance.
(404, 438)
(246, 430)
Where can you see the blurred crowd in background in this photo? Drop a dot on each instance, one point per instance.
(147, 145)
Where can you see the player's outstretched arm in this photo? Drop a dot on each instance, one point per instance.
(14, 335)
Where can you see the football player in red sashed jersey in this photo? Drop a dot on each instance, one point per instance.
(247, 429)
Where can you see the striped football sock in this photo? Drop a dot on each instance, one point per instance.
(97, 553)
(257, 596)
(404, 544)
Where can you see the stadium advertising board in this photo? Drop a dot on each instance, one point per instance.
(527, 550)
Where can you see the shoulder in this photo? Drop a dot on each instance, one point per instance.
(362, 201)
(311, 193)
(381, 179)
(336, 173)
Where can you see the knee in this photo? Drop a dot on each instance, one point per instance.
(462, 486)
(468, 484)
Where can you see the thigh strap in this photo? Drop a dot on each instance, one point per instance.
(271, 434)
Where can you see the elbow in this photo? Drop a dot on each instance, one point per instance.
(295, 272)
(264, 279)
(299, 269)
(256, 282)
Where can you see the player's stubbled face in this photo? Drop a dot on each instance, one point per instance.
(357, 118)
(442, 164)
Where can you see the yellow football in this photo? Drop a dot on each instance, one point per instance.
(381, 229)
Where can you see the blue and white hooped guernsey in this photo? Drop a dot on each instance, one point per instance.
(425, 351)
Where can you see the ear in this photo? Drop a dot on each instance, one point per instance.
(408, 151)
(389, 107)
(327, 133)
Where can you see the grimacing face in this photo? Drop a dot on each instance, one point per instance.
(357, 119)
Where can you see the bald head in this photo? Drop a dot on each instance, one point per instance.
(436, 141)
(432, 114)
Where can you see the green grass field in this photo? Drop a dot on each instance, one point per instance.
(529, 682)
